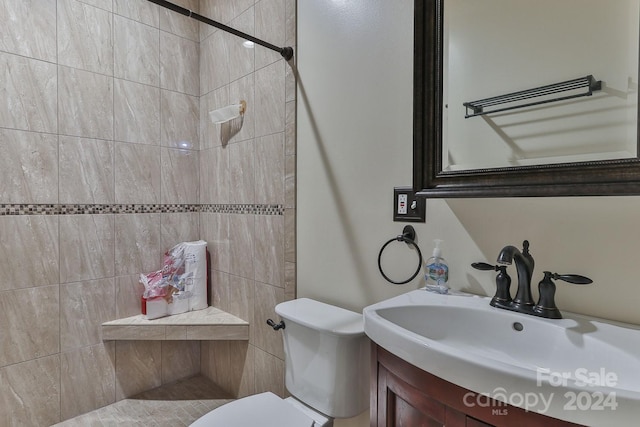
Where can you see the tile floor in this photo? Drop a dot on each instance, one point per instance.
(172, 405)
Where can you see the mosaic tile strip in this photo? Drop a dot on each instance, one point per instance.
(80, 209)
(244, 209)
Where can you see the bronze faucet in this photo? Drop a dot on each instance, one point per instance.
(523, 302)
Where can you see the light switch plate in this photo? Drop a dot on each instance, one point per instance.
(407, 207)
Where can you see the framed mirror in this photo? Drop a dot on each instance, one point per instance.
(526, 98)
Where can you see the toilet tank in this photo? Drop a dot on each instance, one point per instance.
(326, 357)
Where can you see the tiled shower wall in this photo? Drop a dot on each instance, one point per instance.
(108, 160)
(248, 164)
(99, 112)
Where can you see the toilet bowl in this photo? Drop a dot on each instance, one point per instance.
(327, 372)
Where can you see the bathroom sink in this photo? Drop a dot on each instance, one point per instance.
(580, 369)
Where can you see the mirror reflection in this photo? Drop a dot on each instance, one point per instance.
(493, 48)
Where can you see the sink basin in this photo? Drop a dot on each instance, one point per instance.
(579, 369)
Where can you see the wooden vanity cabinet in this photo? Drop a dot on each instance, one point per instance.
(405, 396)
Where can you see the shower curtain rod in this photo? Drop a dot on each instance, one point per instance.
(286, 52)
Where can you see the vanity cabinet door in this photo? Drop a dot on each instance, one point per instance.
(406, 406)
(405, 396)
(472, 422)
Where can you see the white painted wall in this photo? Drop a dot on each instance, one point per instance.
(354, 145)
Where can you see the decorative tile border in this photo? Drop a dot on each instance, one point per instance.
(83, 209)
(244, 209)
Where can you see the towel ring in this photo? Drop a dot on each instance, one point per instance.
(408, 236)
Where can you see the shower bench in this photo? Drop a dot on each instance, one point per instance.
(202, 325)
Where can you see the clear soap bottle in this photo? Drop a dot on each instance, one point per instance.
(437, 271)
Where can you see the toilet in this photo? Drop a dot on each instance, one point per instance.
(327, 372)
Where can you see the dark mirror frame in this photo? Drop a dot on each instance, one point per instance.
(598, 178)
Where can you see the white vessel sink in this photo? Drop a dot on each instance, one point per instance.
(580, 369)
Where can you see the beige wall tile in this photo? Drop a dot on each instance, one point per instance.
(262, 335)
(291, 22)
(86, 247)
(137, 173)
(102, 4)
(87, 379)
(180, 359)
(178, 24)
(34, 34)
(179, 60)
(290, 235)
(138, 368)
(85, 103)
(85, 37)
(214, 175)
(290, 182)
(29, 251)
(128, 293)
(270, 99)
(139, 10)
(138, 243)
(269, 249)
(179, 227)
(233, 294)
(241, 165)
(289, 281)
(136, 51)
(241, 57)
(136, 112)
(241, 241)
(29, 94)
(30, 329)
(30, 393)
(175, 333)
(180, 115)
(128, 332)
(269, 373)
(218, 332)
(214, 65)
(86, 171)
(28, 167)
(230, 364)
(214, 229)
(289, 82)
(84, 306)
(290, 128)
(238, 7)
(270, 169)
(180, 183)
(270, 26)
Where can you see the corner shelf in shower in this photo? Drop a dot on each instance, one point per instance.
(500, 103)
(208, 324)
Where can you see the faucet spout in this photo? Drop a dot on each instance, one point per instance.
(524, 267)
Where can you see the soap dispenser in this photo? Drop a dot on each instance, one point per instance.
(437, 271)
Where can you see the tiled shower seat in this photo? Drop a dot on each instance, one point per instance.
(209, 324)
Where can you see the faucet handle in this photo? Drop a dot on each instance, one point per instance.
(502, 298)
(485, 267)
(576, 279)
(546, 306)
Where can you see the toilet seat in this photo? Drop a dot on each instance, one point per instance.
(260, 410)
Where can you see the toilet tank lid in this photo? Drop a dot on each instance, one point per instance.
(322, 317)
